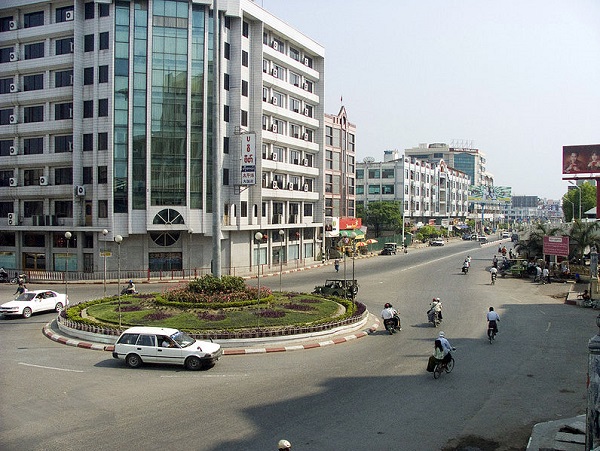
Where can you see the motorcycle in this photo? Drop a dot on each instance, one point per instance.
(494, 275)
(390, 324)
(3, 276)
(18, 279)
(465, 269)
(128, 290)
(434, 318)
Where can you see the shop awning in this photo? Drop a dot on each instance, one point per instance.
(358, 234)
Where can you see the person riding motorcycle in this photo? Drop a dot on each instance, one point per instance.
(389, 313)
(130, 289)
(493, 273)
(492, 319)
(434, 308)
(466, 264)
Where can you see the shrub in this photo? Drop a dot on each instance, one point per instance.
(130, 308)
(299, 307)
(211, 316)
(269, 313)
(210, 284)
(158, 316)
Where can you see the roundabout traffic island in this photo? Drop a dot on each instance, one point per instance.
(213, 308)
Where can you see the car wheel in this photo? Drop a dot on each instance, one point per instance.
(133, 361)
(193, 363)
(58, 307)
(26, 312)
(336, 293)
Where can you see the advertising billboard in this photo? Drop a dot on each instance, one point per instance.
(581, 159)
(248, 158)
(556, 245)
(490, 193)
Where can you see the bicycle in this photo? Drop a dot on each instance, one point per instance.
(441, 367)
(491, 334)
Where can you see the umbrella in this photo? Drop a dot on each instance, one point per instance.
(371, 241)
(360, 244)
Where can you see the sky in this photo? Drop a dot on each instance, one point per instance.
(518, 79)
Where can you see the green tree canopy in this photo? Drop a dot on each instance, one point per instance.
(571, 201)
(381, 215)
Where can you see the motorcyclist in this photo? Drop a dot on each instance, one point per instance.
(130, 287)
(492, 319)
(493, 273)
(435, 307)
(390, 312)
(3, 275)
(466, 264)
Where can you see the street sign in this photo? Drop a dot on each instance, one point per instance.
(106, 254)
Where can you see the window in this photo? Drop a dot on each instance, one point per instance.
(103, 209)
(374, 174)
(374, 189)
(88, 43)
(387, 189)
(88, 76)
(278, 99)
(308, 61)
(360, 189)
(226, 82)
(63, 111)
(244, 88)
(227, 51)
(5, 177)
(104, 40)
(278, 72)
(33, 51)
(5, 85)
(225, 176)
(387, 173)
(226, 113)
(64, 209)
(103, 9)
(308, 209)
(33, 146)
(35, 19)
(33, 208)
(5, 23)
(245, 28)
(5, 146)
(33, 114)
(328, 135)
(5, 54)
(64, 46)
(308, 110)
(33, 82)
(63, 143)
(61, 13)
(294, 54)
(102, 107)
(102, 174)
(294, 105)
(226, 144)
(63, 176)
(88, 108)
(88, 142)
(244, 58)
(63, 78)
(244, 119)
(103, 141)
(89, 10)
(103, 74)
(5, 116)
(88, 174)
(295, 79)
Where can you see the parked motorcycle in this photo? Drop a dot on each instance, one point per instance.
(3, 276)
(19, 279)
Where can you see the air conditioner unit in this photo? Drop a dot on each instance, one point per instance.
(72, 48)
(71, 80)
(13, 56)
(13, 150)
(305, 162)
(275, 185)
(305, 86)
(12, 181)
(290, 186)
(306, 136)
(274, 100)
(274, 72)
(70, 113)
(69, 16)
(12, 219)
(13, 119)
(275, 45)
(14, 87)
(80, 191)
(306, 62)
(13, 25)
(70, 146)
(43, 181)
(274, 156)
(306, 111)
(274, 128)
(306, 187)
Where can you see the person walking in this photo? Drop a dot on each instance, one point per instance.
(336, 265)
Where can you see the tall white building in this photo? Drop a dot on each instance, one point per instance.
(424, 190)
(107, 115)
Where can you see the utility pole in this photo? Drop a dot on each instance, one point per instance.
(217, 157)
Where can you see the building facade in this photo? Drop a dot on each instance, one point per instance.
(109, 125)
(340, 165)
(424, 190)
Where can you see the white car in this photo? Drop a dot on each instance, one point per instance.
(138, 345)
(35, 301)
(437, 242)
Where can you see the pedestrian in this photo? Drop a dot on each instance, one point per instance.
(21, 289)
(284, 445)
(336, 265)
(546, 275)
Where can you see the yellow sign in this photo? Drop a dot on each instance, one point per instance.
(106, 254)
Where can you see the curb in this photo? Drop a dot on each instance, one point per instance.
(48, 332)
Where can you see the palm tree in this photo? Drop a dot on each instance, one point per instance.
(533, 246)
(583, 235)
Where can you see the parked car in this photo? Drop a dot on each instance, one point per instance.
(338, 287)
(437, 242)
(482, 239)
(29, 302)
(505, 234)
(138, 345)
(389, 249)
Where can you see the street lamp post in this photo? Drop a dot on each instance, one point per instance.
(258, 236)
(104, 232)
(281, 239)
(353, 235)
(579, 188)
(118, 240)
(68, 236)
(191, 233)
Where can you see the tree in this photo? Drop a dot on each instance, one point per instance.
(571, 200)
(533, 247)
(582, 236)
(381, 215)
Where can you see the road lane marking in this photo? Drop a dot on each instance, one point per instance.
(548, 328)
(51, 368)
(208, 375)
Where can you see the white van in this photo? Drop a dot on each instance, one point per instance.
(138, 345)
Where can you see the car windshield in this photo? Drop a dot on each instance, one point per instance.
(25, 297)
(182, 339)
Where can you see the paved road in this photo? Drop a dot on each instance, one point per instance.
(369, 394)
